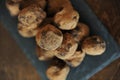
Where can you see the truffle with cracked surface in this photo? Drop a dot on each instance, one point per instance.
(49, 37)
(31, 15)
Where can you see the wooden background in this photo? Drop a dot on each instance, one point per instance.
(108, 11)
(15, 66)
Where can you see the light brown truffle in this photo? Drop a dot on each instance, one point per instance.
(58, 71)
(66, 19)
(94, 45)
(31, 15)
(13, 6)
(68, 47)
(27, 33)
(76, 59)
(27, 27)
(55, 6)
(44, 54)
(49, 37)
(80, 32)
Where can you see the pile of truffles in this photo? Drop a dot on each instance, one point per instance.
(59, 35)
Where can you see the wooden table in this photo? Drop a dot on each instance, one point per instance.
(108, 11)
(15, 66)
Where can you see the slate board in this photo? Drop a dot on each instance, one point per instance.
(89, 66)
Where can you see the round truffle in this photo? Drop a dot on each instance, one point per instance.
(27, 33)
(80, 32)
(58, 71)
(76, 59)
(94, 45)
(49, 37)
(44, 55)
(13, 7)
(67, 48)
(66, 19)
(31, 15)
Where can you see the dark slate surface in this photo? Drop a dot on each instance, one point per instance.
(89, 66)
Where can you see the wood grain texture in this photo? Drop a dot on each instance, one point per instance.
(13, 63)
(108, 11)
(110, 72)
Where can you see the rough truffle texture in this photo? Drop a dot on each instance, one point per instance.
(49, 37)
(80, 32)
(13, 7)
(28, 33)
(67, 48)
(44, 54)
(58, 70)
(76, 59)
(66, 19)
(31, 15)
(94, 45)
